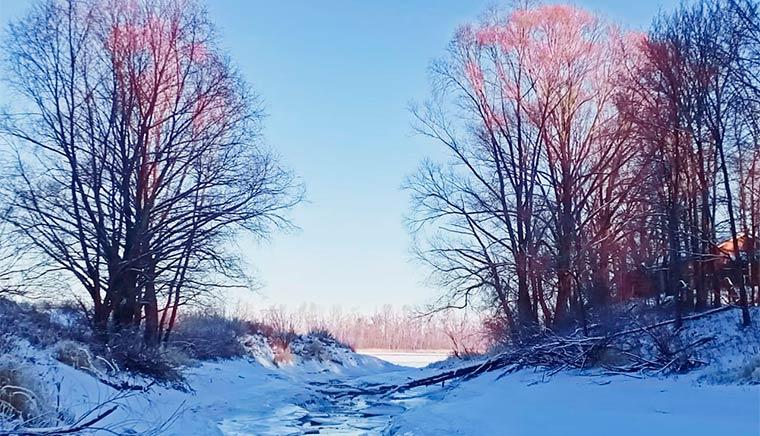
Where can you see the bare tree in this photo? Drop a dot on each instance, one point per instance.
(138, 154)
(592, 165)
(697, 70)
(541, 160)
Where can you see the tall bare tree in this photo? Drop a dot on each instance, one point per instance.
(535, 140)
(138, 153)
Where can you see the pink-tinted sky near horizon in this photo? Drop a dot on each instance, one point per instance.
(336, 77)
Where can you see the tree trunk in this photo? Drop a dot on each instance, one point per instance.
(150, 304)
(524, 308)
(100, 315)
(674, 267)
(736, 264)
(126, 309)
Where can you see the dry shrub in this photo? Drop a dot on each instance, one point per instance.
(43, 327)
(209, 336)
(259, 328)
(323, 334)
(22, 395)
(747, 373)
(124, 352)
(282, 339)
(282, 325)
(496, 331)
(177, 357)
(669, 348)
(127, 351)
(73, 354)
(327, 337)
(314, 350)
(282, 355)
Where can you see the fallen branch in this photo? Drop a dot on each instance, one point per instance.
(126, 386)
(672, 321)
(557, 353)
(63, 430)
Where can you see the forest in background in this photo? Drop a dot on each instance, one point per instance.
(388, 328)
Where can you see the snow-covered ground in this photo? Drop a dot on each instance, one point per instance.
(529, 404)
(236, 398)
(414, 359)
(250, 396)
(337, 394)
(243, 397)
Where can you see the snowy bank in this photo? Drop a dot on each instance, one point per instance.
(529, 404)
(720, 397)
(256, 390)
(320, 386)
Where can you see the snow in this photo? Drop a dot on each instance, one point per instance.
(310, 394)
(230, 397)
(527, 404)
(414, 359)
(593, 403)
(242, 397)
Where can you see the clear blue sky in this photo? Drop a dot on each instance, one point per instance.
(336, 78)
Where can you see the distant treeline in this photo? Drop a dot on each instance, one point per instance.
(389, 327)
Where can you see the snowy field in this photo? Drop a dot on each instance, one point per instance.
(354, 394)
(243, 397)
(529, 404)
(414, 359)
(240, 398)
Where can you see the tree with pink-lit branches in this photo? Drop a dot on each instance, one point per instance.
(541, 161)
(139, 156)
(573, 60)
(695, 106)
(592, 165)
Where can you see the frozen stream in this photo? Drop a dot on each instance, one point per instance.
(328, 408)
(414, 359)
(602, 405)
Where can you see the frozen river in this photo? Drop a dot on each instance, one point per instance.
(415, 359)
